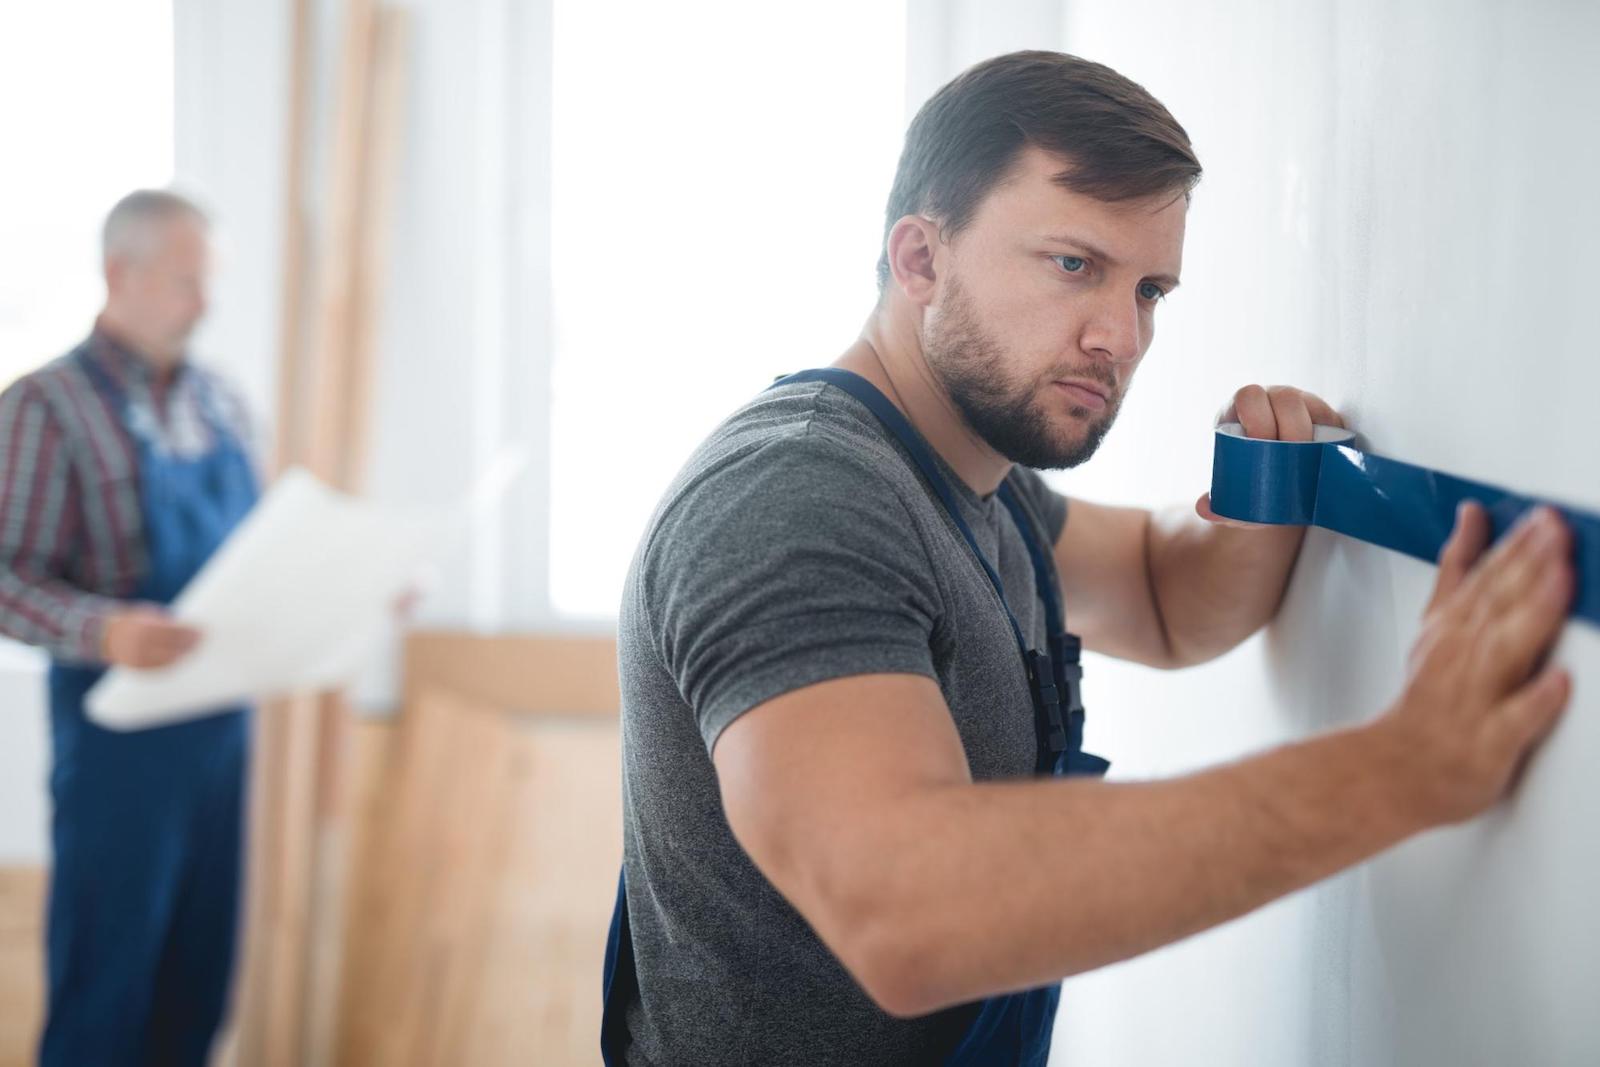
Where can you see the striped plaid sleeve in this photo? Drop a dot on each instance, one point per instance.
(40, 526)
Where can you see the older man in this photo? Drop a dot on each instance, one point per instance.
(122, 467)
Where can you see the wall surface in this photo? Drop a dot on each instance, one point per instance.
(24, 747)
(1397, 215)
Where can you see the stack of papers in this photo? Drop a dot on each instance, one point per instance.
(292, 601)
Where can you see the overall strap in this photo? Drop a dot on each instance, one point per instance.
(1044, 571)
(1065, 648)
(907, 435)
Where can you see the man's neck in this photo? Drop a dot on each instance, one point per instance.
(889, 355)
(163, 366)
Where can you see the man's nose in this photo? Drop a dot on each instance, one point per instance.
(1115, 330)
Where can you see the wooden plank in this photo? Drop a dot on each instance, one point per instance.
(364, 766)
(381, 131)
(246, 1042)
(328, 861)
(522, 672)
(420, 927)
(481, 911)
(371, 99)
(294, 269)
(289, 814)
(243, 1044)
(334, 321)
(22, 906)
(482, 916)
(539, 995)
(298, 898)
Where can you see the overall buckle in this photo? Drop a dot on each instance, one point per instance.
(1047, 701)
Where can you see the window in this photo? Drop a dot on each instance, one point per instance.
(89, 117)
(719, 175)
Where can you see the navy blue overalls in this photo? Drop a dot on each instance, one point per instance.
(1003, 1031)
(147, 825)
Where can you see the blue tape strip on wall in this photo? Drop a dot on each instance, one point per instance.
(1331, 483)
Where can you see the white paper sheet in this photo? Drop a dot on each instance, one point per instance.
(292, 601)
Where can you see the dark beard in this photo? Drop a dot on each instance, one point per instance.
(1010, 419)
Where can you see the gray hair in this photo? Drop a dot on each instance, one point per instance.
(130, 228)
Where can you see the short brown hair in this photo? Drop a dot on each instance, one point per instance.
(1120, 142)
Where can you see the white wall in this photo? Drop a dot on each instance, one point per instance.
(464, 347)
(231, 100)
(24, 743)
(1396, 214)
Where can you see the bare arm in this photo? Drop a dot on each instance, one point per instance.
(933, 890)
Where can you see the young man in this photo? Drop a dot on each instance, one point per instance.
(859, 827)
(122, 467)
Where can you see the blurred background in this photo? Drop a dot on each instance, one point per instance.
(588, 229)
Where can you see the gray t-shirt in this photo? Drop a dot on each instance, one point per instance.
(798, 544)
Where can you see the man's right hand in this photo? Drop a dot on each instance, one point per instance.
(1480, 695)
(144, 636)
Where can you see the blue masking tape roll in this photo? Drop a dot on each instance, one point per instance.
(1331, 483)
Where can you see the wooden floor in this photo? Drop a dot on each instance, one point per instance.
(515, 978)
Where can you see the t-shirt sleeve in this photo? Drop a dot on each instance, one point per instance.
(792, 565)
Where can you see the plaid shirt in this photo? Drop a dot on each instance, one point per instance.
(71, 526)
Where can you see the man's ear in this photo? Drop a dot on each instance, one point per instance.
(115, 270)
(912, 243)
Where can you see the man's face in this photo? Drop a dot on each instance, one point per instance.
(1046, 305)
(164, 290)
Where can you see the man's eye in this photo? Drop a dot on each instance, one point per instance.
(1150, 291)
(1070, 264)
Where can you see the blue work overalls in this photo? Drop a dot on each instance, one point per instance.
(1006, 1031)
(147, 825)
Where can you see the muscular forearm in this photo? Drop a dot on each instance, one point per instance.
(1215, 585)
(972, 890)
